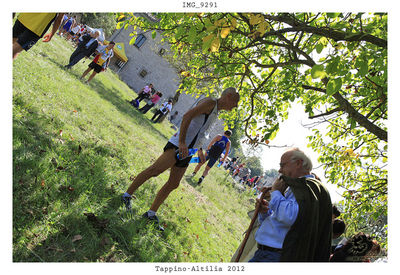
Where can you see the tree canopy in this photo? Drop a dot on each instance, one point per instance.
(105, 21)
(335, 64)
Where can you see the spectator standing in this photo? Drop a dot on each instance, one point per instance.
(166, 107)
(151, 102)
(296, 224)
(74, 33)
(67, 26)
(81, 32)
(244, 179)
(64, 20)
(71, 33)
(145, 93)
(238, 169)
(101, 61)
(338, 228)
(85, 48)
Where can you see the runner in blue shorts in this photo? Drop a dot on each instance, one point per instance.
(213, 153)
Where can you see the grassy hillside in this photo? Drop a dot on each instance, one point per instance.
(75, 147)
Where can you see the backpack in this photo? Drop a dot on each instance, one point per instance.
(135, 103)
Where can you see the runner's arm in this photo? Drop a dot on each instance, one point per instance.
(56, 24)
(227, 148)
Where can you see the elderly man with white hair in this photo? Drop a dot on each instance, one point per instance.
(86, 47)
(296, 224)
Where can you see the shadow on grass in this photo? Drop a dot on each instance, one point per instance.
(56, 62)
(194, 182)
(122, 239)
(53, 175)
(49, 175)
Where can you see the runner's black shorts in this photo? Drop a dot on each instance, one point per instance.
(25, 37)
(211, 160)
(96, 67)
(179, 162)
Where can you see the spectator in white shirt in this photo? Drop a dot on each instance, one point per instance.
(166, 107)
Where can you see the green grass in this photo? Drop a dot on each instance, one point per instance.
(75, 146)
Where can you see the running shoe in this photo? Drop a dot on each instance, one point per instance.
(127, 201)
(154, 219)
(200, 180)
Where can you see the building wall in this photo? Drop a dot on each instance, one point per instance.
(159, 72)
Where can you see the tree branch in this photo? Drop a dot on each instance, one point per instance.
(336, 35)
(349, 109)
(325, 114)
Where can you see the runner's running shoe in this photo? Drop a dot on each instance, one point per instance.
(153, 219)
(127, 201)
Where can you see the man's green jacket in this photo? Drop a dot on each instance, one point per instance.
(309, 238)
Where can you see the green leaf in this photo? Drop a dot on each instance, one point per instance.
(324, 41)
(318, 71)
(363, 68)
(319, 48)
(153, 34)
(352, 124)
(207, 42)
(211, 28)
(351, 45)
(333, 86)
(192, 35)
(332, 67)
(180, 31)
(273, 135)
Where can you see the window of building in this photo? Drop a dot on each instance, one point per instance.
(140, 40)
(143, 73)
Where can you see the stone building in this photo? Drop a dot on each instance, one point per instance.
(144, 62)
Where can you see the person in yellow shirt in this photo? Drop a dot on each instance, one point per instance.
(30, 27)
(101, 61)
